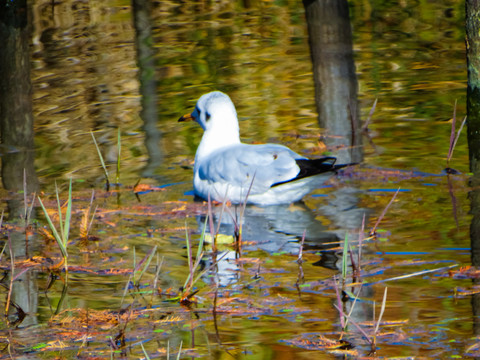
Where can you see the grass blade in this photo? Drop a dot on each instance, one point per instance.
(145, 352)
(147, 259)
(101, 161)
(418, 273)
(55, 233)
(369, 117)
(456, 139)
(189, 254)
(180, 350)
(452, 132)
(60, 218)
(68, 215)
(381, 310)
(344, 257)
(384, 212)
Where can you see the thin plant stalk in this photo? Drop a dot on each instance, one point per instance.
(4, 246)
(119, 147)
(139, 269)
(157, 274)
(208, 268)
(450, 153)
(190, 281)
(145, 352)
(373, 231)
(300, 251)
(189, 258)
(353, 306)
(352, 260)
(359, 328)
(213, 236)
(27, 209)
(340, 304)
(452, 132)
(346, 318)
(360, 244)
(384, 301)
(93, 215)
(222, 211)
(344, 257)
(180, 350)
(369, 117)
(453, 138)
(12, 269)
(374, 337)
(87, 225)
(242, 213)
(100, 156)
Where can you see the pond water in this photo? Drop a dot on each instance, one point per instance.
(85, 73)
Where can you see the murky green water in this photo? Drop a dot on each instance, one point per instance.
(409, 56)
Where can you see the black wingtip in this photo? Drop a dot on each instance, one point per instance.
(312, 167)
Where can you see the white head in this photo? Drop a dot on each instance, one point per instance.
(214, 104)
(217, 116)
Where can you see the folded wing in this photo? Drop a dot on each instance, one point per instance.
(237, 165)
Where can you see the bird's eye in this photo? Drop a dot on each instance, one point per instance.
(207, 117)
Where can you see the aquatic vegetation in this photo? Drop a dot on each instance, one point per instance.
(62, 235)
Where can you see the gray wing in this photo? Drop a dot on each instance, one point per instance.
(238, 164)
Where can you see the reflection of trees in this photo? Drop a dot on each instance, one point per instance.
(330, 38)
(16, 125)
(148, 85)
(16, 118)
(84, 78)
(473, 133)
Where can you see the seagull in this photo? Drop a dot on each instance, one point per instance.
(227, 170)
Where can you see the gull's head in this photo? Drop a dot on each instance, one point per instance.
(214, 112)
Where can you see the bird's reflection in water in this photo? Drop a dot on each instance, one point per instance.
(280, 228)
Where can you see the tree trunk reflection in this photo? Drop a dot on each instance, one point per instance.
(472, 25)
(148, 84)
(16, 126)
(331, 47)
